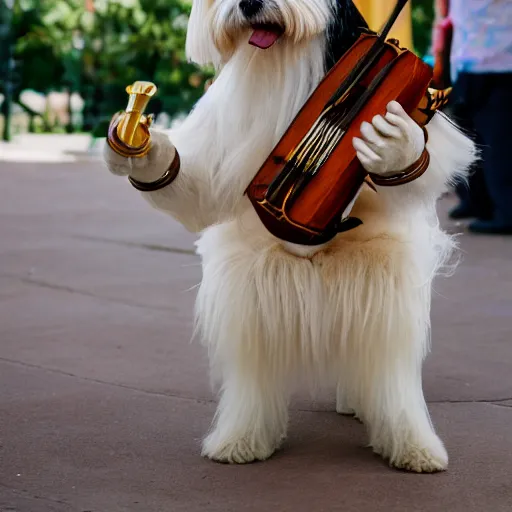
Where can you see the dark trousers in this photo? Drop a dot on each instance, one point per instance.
(482, 105)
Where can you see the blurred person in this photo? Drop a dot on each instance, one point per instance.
(479, 53)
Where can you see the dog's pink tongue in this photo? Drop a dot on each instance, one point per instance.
(263, 38)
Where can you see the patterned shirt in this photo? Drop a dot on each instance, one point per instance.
(482, 40)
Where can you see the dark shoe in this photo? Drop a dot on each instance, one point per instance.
(490, 227)
(468, 212)
(462, 212)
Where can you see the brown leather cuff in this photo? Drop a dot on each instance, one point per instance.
(168, 177)
(117, 145)
(412, 173)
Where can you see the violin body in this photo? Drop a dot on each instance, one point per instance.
(306, 186)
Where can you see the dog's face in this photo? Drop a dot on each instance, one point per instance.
(268, 20)
(216, 27)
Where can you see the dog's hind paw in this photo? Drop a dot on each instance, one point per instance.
(238, 451)
(421, 460)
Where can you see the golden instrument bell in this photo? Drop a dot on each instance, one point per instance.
(128, 133)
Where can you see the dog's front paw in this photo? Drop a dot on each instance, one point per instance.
(235, 451)
(422, 460)
(391, 143)
(428, 457)
(147, 168)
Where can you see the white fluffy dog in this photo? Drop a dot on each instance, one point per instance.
(354, 312)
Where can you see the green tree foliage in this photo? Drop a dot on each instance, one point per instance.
(422, 19)
(64, 45)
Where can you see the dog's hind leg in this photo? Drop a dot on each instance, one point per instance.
(248, 312)
(399, 425)
(343, 405)
(386, 356)
(396, 415)
(251, 419)
(345, 397)
(393, 408)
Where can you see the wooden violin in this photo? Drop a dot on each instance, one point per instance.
(304, 190)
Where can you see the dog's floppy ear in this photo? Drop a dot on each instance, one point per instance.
(345, 28)
(199, 44)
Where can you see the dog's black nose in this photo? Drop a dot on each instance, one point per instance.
(250, 8)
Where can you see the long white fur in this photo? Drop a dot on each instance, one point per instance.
(354, 313)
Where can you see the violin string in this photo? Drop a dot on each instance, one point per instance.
(292, 167)
(311, 135)
(323, 151)
(332, 124)
(318, 149)
(329, 122)
(314, 145)
(310, 148)
(306, 176)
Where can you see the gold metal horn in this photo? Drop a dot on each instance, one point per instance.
(128, 133)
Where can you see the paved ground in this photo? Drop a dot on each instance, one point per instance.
(49, 148)
(104, 400)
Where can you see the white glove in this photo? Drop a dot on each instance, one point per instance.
(391, 143)
(148, 168)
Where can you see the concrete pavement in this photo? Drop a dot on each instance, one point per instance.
(104, 400)
(51, 148)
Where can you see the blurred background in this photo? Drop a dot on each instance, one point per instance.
(64, 64)
(103, 396)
